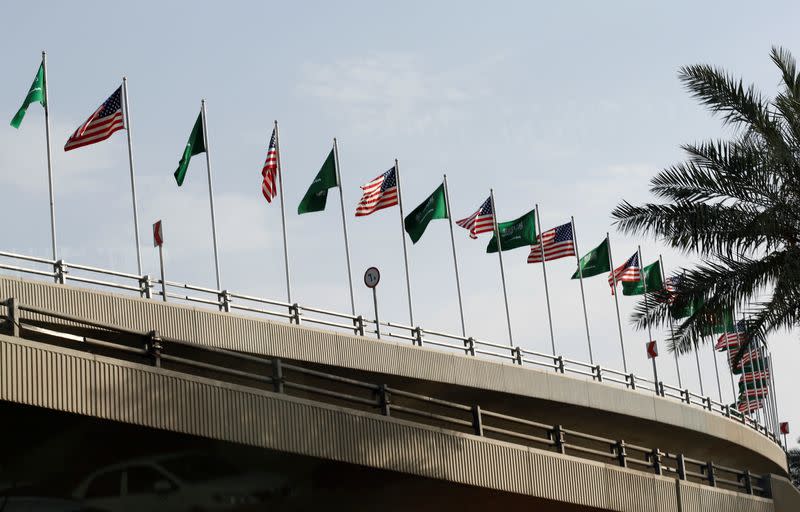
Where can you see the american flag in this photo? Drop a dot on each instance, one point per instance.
(106, 120)
(270, 170)
(557, 242)
(756, 393)
(746, 407)
(379, 193)
(754, 376)
(629, 271)
(482, 221)
(731, 340)
(748, 357)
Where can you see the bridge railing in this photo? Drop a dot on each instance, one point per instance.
(147, 287)
(274, 375)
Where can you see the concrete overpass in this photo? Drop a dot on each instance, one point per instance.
(465, 429)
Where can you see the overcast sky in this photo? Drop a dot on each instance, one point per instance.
(573, 106)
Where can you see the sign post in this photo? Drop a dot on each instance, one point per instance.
(652, 353)
(371, 279)
(158, 241)
(785, 432)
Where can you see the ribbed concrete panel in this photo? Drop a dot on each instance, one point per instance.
(127, 392)
(227, 330)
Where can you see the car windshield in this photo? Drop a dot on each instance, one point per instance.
(198, 468)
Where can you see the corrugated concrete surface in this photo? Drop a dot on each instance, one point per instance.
(66, 380)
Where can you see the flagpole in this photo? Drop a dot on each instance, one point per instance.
(583, 296)
(671, 323)
(502, 270)
(49, 156)
(774, 392)
(643, 279)
(728, 348)
(133, 179)
(697, 360)
(760, 368)
(403, 235)
(210, 193)
(455, 258)
(344, 226)
(546, 290)
(616, 303)
(283, 215)
(716, 369)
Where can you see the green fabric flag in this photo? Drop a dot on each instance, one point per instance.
(753, 384)
(595, 262)
(515, 233)
(688, 310)
(435, 207)
(36, 93)
(194, 146)
(317, 195)
(724, 324)
(651, 276)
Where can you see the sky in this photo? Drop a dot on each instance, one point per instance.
(573, 106)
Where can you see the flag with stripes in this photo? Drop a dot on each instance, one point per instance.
(755, 393)
(378, 194)
(754, 376)
(628, 272)
(482, 221)
(558, 242)
(270, 170)
(106, 120)
(747, 406)
(731, 340)
(748, 358)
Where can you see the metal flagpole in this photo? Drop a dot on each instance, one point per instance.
(671, 323)
(774, 391)
(502, 269)
(643, 279)
(697, 360)
(544, 273)
(760, 369)
(583, 296)
(210, 193)
(163, 279)
(283, 214)
(344, 226)
(49, 156)
(133, 179)
(403, 235)
(616, 303)
(455, 258)
(716, 369)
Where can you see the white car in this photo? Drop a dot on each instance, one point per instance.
(183, 482)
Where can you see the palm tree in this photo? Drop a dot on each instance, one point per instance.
(734, 203)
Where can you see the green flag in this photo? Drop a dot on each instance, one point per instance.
(753, 384)
(194, 146)
(317, 195)
(435, 207)
(651, 276)
(725, 323)
(515, 233)
(36, 93)
(595, 262)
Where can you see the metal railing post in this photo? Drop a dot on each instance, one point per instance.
(294, 313)
(599, 372)
(277, 375)
(146, 287)
(622, 454)
(359, 323)
(685, 393)
(558, 438)
(708, 402)
(712, 479)
(632, 379)
(416, 333)
(154, 347)
(748, 481)
(13, 316)
(517, 354)
(727, 411)
(660, 388)
(469, 346)
(655, 457)
(224, 299)
(559, 361)
(384, 400)
(681, 463)
(60, 271)
(477, 420)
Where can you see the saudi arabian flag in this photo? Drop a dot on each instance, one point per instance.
(36, 93)
(595, 262)
(317, 195)
(194, 146)
(435, 207)
(515, 233)
(651, 277)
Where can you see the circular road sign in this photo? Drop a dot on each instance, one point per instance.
(372, 277)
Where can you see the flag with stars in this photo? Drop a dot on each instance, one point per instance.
(106, 120)
(556, 243)
(628, 272)
(270, 170)
(482, 221)
(378, 194)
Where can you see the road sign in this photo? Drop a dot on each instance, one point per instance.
(784, 427)
(372, 277)
(652, 349)
(158, 234)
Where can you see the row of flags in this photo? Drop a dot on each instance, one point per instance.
(752, 368)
